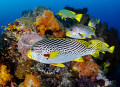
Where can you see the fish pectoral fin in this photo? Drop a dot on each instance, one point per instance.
(80, 59)
(53, 54)
(58, 64)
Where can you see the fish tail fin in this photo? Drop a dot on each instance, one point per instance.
(111, 49)
(96, 47)
(78, 17)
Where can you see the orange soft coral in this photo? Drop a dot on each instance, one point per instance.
(4, 75)
(13, 26)
(46, 21)
(86, 68)
(87, 57)
(31, 81)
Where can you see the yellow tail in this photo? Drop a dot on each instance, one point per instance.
(96, 46)
(78, 17)
(112, 49)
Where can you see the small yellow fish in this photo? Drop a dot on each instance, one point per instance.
(69, 14)
(93, 22)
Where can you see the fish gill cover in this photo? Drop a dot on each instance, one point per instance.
(30, 43)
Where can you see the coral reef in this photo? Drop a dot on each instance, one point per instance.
(24, 68)
(5, 75)
(26, 40)
(25, 31)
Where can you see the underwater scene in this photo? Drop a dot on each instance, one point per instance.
(59, 43)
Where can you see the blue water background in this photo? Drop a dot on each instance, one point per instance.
(106, 10)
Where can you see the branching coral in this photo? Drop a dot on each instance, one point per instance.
(4, 75)
(26, 40)
(87, 68)
(46, 21)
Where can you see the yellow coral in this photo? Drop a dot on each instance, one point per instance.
(4, 75)
(46, 21)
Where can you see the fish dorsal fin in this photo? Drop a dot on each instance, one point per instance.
(80, 59)
(105, 44)
(83, 42)
(72, 12)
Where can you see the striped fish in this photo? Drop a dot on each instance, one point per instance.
(57, 51)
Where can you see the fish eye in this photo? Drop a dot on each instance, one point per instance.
(32, 49)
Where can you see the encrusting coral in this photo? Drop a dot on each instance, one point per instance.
(26, 40)
(46, 21)
(5, 75)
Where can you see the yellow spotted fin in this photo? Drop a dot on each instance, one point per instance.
(53, 54)
(58, 64)
(80, 59)
(30, 56)
(78, 17)
(111, 49)
(97, 47)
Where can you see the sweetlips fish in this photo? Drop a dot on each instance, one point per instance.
(93, 22)
(69, 14)
(57, 51)
(104, 46)
(80, 31)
